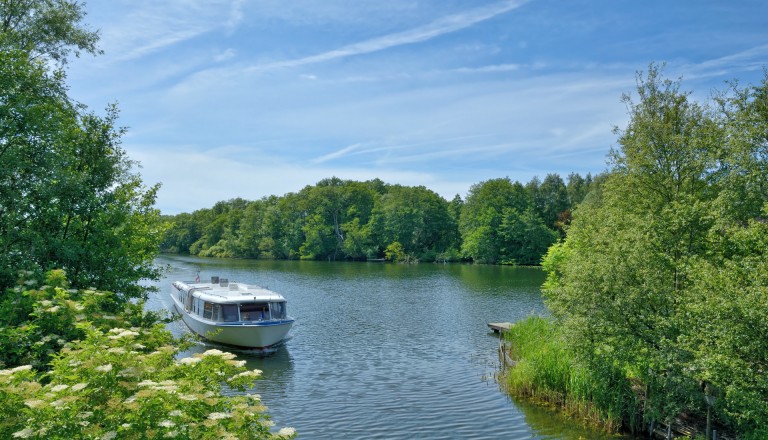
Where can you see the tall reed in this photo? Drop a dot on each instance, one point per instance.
(547, 371)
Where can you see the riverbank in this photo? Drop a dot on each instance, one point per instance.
(539, 367)
(544, 372)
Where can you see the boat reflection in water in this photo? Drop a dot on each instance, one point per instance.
(235, 314)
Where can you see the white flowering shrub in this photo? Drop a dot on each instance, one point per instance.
(129, 383)
(38, 321)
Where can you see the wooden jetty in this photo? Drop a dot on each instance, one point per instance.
(500, 327)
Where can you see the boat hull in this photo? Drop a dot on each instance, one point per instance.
(250, 335)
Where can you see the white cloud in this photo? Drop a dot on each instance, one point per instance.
(750, 59)
(489, 69)
(441, 26)
(226, 55)
(278, 95)
(142, 27)
(337, 154)
(193, 180)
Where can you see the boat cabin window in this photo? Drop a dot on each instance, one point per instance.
(254, 311)
(215, 312)
(207, 310)
(229, 312)
(278, 310)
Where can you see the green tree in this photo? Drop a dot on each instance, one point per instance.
(482, 214)
(46, 28)
(553, 197)
(628, 249)
(577, 188)
(659, 246)
(525, 238)
(415, 218)
(725, 311)
(726, 326)
(68, 197)
(334, 209)
(182, 231)
(221, 234)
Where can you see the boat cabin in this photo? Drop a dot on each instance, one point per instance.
(236, 303)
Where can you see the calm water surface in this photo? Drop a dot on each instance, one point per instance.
(388, 351)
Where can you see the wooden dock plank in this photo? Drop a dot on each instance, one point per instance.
(499, 327)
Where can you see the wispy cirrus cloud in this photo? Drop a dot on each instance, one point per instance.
(489, 68)
(753, 58)
(145, 27)
(385, 146)
(337, 154)
(436, 28)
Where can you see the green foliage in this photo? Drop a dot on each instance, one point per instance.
(481, 217)
(43, 320)
(47, 28)
(550, 199)
(508, 223)
(68, 198)
(90, 374)
(726, 309)
(524, 237)
(663, 268)
(342, 219)
(395, 252)
(417, 218)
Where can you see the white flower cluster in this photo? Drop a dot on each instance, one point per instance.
(221, 354)
(60, 387)
(219, 415)
(79, 386)
(249, 373)
(286, 432)
(24, 433)
(121, 333)
(15, 370)
(104, 368)
(166, 385)
(189, 360)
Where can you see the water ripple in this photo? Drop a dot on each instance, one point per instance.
(383, 351)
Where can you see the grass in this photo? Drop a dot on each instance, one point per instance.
(546, 371)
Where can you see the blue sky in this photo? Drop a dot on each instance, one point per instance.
(237, 98)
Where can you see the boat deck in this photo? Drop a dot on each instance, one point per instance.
(236, 290)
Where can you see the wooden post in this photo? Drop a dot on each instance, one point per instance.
(710, 399)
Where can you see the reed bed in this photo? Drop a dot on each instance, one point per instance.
(547, 372)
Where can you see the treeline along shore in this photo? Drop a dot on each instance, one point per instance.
(499, 222)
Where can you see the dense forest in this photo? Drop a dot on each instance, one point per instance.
(500, 222)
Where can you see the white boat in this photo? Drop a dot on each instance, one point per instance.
(232, 313)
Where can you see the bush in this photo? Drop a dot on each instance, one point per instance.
(110, 379)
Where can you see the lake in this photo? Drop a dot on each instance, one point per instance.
(383, 350)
